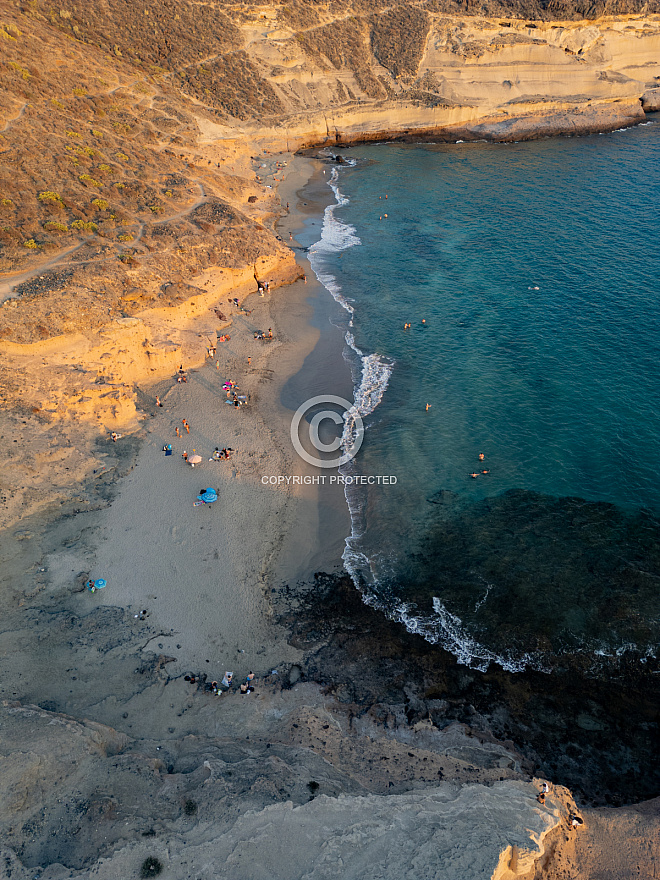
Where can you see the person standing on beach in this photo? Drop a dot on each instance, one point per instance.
(177, 432)
(249, 361)
(185, 425)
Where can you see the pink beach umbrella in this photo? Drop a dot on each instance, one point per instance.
(194, 459)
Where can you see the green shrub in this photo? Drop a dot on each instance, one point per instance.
(31, 244)
(52, 226)
(101, 204)
(84, 225)
(88, 180)
(150, 867)
(17, 67)
(49, 196)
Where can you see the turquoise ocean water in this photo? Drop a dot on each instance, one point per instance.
(536, 269)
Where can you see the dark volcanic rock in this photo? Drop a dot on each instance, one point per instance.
(598, 736)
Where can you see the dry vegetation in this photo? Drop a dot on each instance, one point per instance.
(95, 159)
(398, 39)
(165, 34)
(345, 45)
(233, 84)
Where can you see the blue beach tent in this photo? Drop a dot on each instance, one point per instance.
(208, 496)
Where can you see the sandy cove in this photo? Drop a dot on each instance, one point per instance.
(109, 755)
(249, 766)
(204, 576)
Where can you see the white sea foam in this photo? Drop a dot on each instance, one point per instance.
(375, 372)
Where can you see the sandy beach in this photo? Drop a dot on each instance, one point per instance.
(203, 573)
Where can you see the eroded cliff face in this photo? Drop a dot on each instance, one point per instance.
(469, 78)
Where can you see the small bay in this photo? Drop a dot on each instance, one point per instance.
(530, 276)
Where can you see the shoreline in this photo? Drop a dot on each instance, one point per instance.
(319, 538)
(155, 725)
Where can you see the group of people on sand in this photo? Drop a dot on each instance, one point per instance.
(259, 334)
(233, 396)
(218, 454)
(476, 474)
(222, 454)
(246, 687)
(236, 399)
(227, 683)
